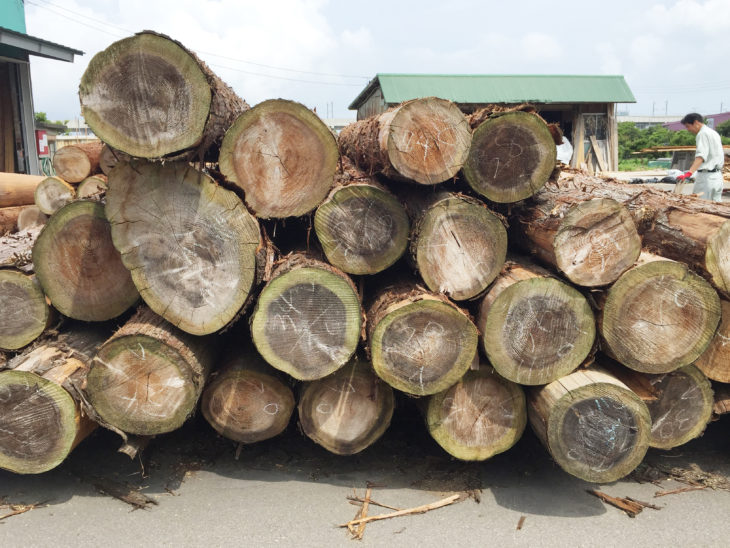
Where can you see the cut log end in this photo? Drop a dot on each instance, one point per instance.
(25, 312)
(92, 186)
(715, 361)
(109, 158)
(74, 163)
(717, 258)
(52, 194)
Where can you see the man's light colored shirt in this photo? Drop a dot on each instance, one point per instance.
(709, 148)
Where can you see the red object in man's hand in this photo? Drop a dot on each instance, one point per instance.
(686, 175)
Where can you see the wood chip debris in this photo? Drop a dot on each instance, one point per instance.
(631, 507)
(17, 509)
(124, 492)
(521, 522)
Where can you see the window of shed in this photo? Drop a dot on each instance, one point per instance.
(597, 125)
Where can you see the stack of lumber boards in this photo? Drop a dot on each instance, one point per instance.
(247, 262)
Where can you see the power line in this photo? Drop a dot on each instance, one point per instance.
(285, 78)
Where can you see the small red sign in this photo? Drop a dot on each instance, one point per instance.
(41, 139)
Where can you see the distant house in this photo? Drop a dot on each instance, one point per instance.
(713, 120)
(584, 106)
(644, 122)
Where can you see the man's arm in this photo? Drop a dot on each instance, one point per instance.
(696, 164)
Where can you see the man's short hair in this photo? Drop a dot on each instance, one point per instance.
(693, 117)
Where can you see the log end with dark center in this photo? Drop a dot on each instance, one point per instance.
(25, 312)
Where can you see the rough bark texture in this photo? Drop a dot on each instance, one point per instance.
(74, 163)
(347, 411)
(25, 313)
(29, 217)
(534, 328)
(715, 361)
(424, 140)
(150, 97)
(52, 194)
(592, 424)
(92, 186)
(17, 189)
(109, 158)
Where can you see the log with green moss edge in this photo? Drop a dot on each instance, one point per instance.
(362, 227)
(420, 342)
(307, 319)
(480, 416)
(79, 268)
(534, 328)
(246, 401)
(41, 417)
(592, 424)
(190, 245)
(52, 193)
(282, 156)
(148, 377)
(347, 411)
(25, 313)
(511, 157)
(658, 316)
(715, 360)
(458, 245)
(149, 96)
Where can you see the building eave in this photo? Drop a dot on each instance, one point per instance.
(37, 46)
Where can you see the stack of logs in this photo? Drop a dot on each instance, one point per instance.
(452, 262)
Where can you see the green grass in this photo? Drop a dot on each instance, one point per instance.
(633, 164)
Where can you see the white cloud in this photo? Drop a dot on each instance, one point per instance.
(609, 61)
(360, 39)
(537, 45)
(646, 49)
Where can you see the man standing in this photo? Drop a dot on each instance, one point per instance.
(708, 161)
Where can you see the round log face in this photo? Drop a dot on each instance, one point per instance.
(362, 228)
(538, 330)
(423, 347)
(511, 157)
(428, 140)
(108, 158)
(596, 242)
(72, 164)
(717, 257)
(24, 309)
(146, 96)
(91, 186)
(659, 316)
(460, 248)
(37, 423)
(715, 361)
(307, 322)
(78, 267)
(52, 194)
(282, 156)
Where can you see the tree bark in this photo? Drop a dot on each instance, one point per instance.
(147, 378)
(420, 342)
(52, 193)
(347, 411)
(30, 216)
(149, 96)
(78, 267)
(658, 316)
(482, 415)
(308, 319)
(92, 186)
(41, 417)
(715, 360)
(534, 328)
(191, 245)
(25, 313)
(511, 157)
(594, 427)
(282, 156)
(74, 163)
(109, 158)
(424, 140)
(17, 189)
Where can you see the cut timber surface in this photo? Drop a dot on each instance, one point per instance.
(78, 267)
(246, 402)
(420, 342)
(512, 156)
(480, 416)
(347, 411)
(534, 328)
(715, 361)
(108, 158)
(74, 163)
(424, 140)
(92, 186)
(308, 318)
(17, 189)
(30, 216)
(147, 378)
(190, 244)
(9, 218)
(592, 424)
(592, 241)
(150, 97)
(52, 193)
(458, 245)
(41, 420)
(25, 313)
(659, 316)
(282, 156)
(16, 249)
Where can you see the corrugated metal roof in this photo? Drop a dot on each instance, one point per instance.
(37, 46)
(500, 88)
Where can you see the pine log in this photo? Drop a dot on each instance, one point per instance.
(247, 402)
(25, 312)
(457, 244)
(592, 241)
(308, 318)
(52, 193)
(658, 316)
(282, 156)
(347, 411)
(512, 156)
(424, 140)
(30, 216)
(190, 245)
(715, 360)
(92, 186)
(17, 189)
(534, 328)
(420, 342)
(147, 378)
(109, 158)
(482, 415)
(594, 427)
(41, 418)
(149, 96)
(9, 218)
(74, 163)
(78, 267)
(362, 227)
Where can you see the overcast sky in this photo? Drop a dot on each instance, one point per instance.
(673, 53)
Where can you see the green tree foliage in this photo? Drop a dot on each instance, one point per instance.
(632, 139)
(41, 117)
(724, 130)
